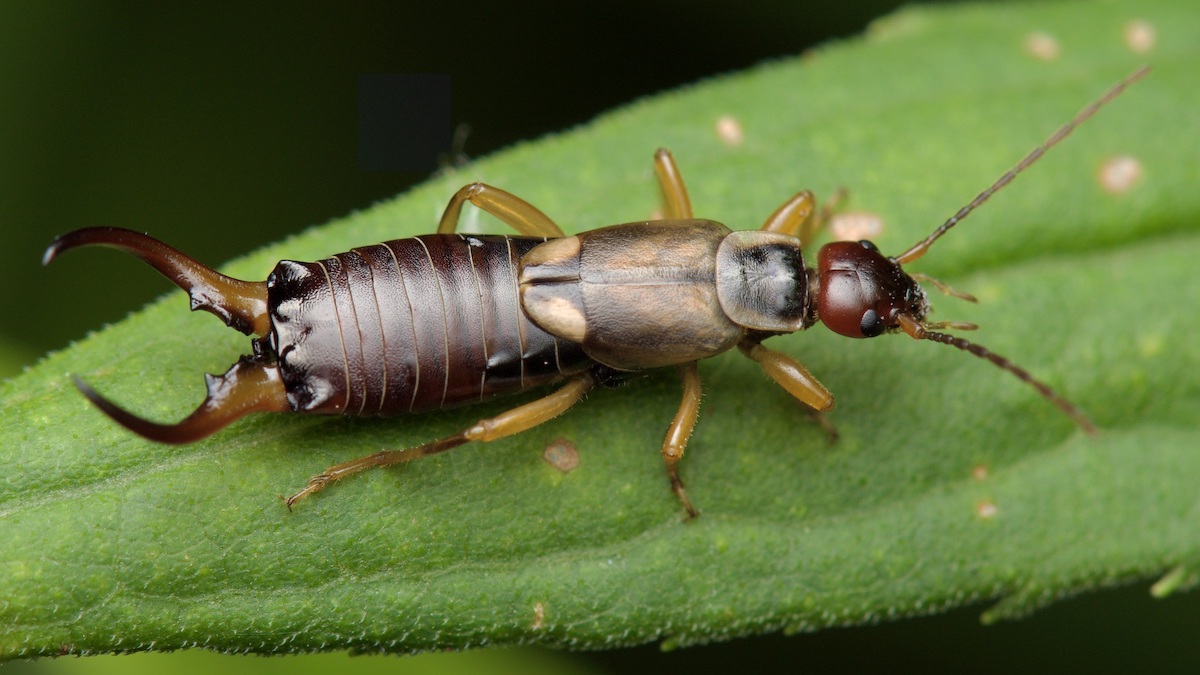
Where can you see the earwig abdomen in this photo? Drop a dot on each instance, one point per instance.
(410, 325)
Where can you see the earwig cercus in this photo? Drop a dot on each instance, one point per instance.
(447, 319)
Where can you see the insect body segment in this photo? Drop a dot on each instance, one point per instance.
(441, 320)
(410, 325)
(636, 296)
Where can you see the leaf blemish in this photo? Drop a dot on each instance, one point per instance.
(986, 509)
(539, 615)
(562, 455)
(1118, 174)
(1042, 46)
(856, 225)
(979, 472)
(1140, 36)
(729, 130)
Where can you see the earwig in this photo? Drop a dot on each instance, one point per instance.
(447, 319)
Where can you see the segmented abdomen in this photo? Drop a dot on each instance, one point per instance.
(410, 325)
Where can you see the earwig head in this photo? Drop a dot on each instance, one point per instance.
(862, 293)
(252, 384)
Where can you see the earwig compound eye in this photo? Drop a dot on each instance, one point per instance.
(872, 324)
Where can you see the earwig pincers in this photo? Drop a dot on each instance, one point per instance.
(448, 319)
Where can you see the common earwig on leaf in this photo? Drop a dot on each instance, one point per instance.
(448, 319)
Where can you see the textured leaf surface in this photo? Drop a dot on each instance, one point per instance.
(951, 481)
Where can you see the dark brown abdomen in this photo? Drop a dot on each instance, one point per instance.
(410, 325)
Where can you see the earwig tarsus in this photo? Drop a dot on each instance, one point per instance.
(448, 319)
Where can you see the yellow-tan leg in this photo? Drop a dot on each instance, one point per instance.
(946, 289)
(507, 423)
(676, 205)
(795, 378)
(791, 217)
(681, 429)
(822, 217)
(509, 208)
(789, 374)
(799, 217)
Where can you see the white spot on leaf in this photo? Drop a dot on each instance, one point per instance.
(856, 225)
(1140, 36)
(1042, 46)
(729, 130)
(986, 509)
(1118, 174)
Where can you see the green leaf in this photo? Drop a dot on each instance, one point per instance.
(951, 482)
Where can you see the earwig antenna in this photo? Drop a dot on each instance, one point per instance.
(917, 331)
(922, 246)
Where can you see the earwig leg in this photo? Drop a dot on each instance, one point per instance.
(828, 426)
(676, 205)
(509, 208)
(789, 374)
(946, 289)
(240, 304)
(799, 217)
(507, 423)
(791, 217)
(821, 218)
(245, 388)
(680, 429)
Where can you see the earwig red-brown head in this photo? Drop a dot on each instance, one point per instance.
(862, 293)
(253, 384)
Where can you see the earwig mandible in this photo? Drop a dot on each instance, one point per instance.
(447, 319)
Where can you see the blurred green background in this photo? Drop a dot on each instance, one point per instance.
(222, 127)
